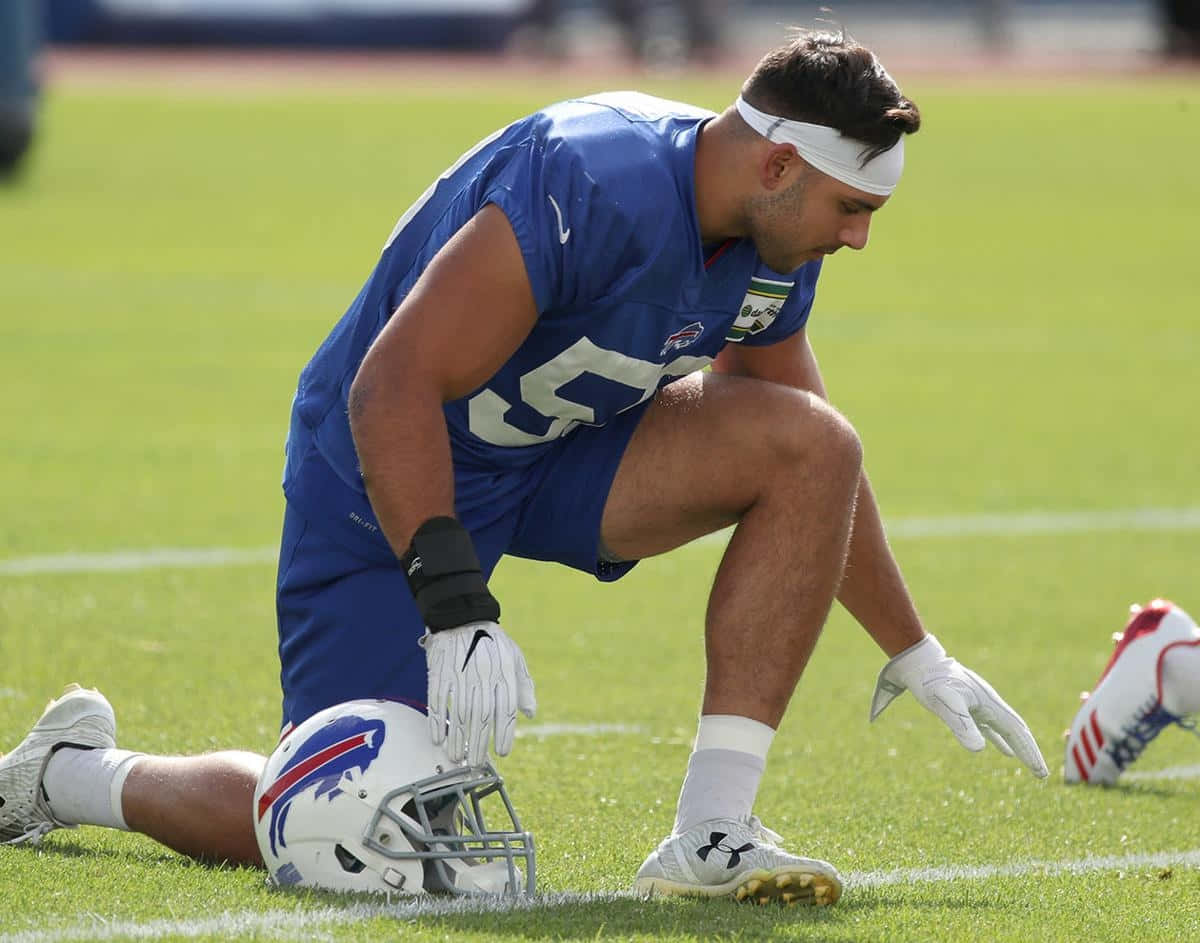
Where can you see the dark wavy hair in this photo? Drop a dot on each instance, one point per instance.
(827, 78)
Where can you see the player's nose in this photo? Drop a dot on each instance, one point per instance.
(856, 231)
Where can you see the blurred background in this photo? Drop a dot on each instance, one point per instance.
(36, 36)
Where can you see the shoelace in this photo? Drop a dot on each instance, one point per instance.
(33, 834)
(1146, 726)
(763, 833)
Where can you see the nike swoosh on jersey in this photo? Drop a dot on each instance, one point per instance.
(563, 234)
(479, 634)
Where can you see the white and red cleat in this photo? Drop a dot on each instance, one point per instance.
(1151, 681)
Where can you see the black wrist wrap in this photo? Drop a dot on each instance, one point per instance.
(445, 577)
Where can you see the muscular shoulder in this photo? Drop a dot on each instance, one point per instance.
(632, 150)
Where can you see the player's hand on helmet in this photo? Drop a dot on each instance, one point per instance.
(477, 682)
(966, 703)
(477, 675)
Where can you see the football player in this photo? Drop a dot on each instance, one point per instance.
(585, 343)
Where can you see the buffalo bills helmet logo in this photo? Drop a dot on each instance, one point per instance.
(320, 761)
(682, 338)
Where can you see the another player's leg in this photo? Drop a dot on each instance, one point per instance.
(784, 467)
(68, 771)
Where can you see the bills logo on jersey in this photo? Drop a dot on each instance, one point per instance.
(682, 338)
(322, 760)
(759, 308)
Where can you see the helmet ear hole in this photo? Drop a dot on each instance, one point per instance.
(348, 861)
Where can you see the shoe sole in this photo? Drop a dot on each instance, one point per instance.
(787, 886)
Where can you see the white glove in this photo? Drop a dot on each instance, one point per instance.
(477, 682)
(967, 704)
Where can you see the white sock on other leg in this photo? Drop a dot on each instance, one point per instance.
(84, 786)
(724, 770)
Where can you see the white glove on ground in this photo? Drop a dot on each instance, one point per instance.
(967, 704)
(477, 682)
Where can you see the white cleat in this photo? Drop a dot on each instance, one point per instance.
(1151, 681)
(737, 859)
(80, 718)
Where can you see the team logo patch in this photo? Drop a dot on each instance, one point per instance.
(322, 760)
(759, 308)
(682, 338)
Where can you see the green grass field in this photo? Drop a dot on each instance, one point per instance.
(1017, 348)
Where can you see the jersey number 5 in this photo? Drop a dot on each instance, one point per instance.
(540, 391)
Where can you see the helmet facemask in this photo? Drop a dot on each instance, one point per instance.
(443, 819)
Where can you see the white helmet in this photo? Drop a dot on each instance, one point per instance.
(357, 798)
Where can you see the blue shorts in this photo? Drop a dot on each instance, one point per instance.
(348, 626)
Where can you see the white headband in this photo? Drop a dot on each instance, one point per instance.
(830, 151)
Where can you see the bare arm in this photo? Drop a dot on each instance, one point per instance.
(462, 320)
(872, 589)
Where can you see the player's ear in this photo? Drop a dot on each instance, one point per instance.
(780, 166)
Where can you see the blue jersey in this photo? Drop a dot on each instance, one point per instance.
(600, 193)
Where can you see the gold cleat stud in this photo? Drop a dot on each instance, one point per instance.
(783, 880)
(789, 898)
(804, 880)
(753, 885)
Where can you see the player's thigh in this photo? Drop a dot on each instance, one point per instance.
(348, 627)
(706, 449)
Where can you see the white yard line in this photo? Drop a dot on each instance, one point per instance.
(284, 923)
(1023, 524)
(1088, 865)
(152, 559)
(1035, 523)
(541, 731)
(1049, 523)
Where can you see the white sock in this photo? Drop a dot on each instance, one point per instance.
(724, 770)
(84, 787)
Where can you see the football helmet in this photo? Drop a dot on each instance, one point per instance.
(357, 798)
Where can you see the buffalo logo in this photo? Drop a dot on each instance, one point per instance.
(321, 761)
(682, 338)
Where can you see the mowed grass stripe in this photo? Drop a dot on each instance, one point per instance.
(271, 923)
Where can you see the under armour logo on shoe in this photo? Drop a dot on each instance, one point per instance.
(717, 842)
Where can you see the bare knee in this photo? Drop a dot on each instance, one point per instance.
(811, 438)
